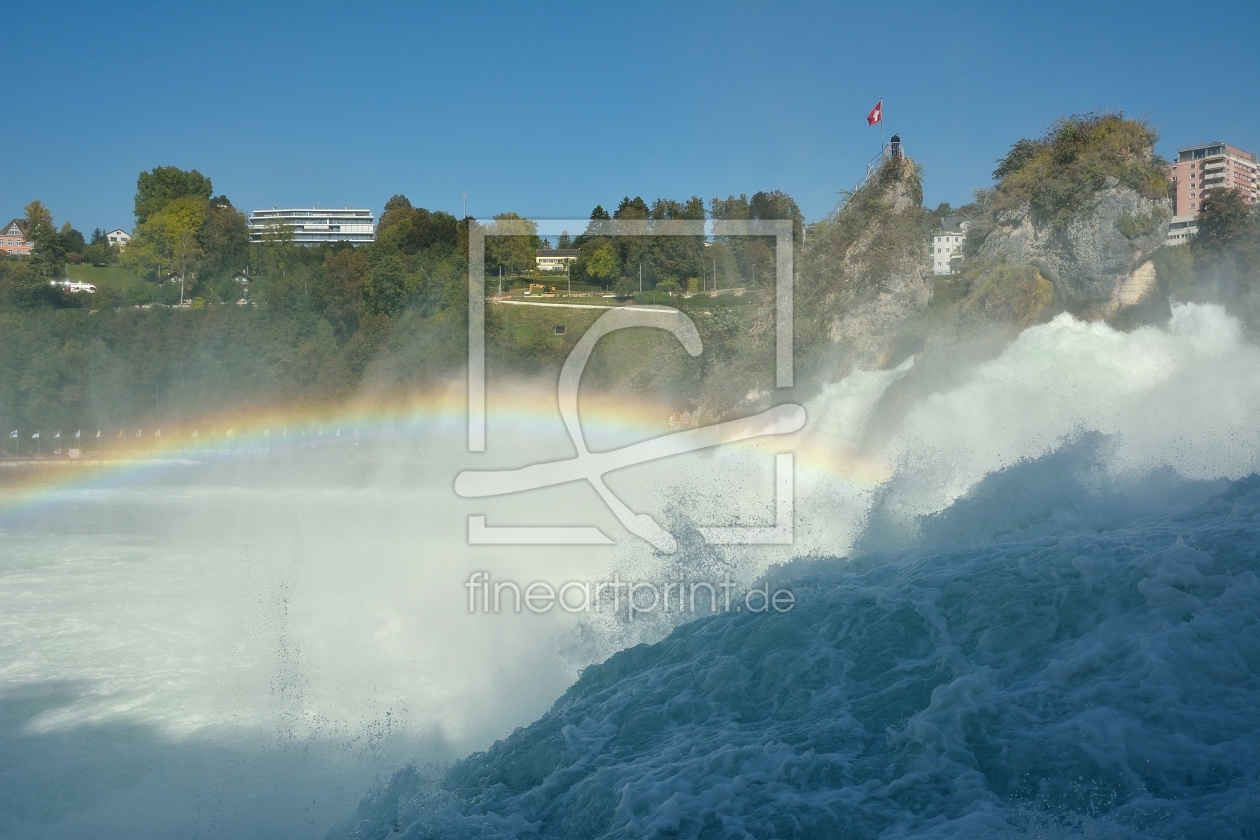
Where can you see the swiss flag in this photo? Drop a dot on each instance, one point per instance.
(876, 114)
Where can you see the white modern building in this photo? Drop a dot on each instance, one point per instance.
(118, 238)
(1182, 228)
(947, 245)
(311, 226)
(554, 259)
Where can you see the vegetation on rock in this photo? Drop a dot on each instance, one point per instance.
(1056, 174)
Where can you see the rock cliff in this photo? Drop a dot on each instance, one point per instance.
(1099, 262)
(1085, 205)
(867, 268)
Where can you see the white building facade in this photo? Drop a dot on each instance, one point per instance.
(554, 259)
(118, 238)
(1181, 229)
(946, 249)
(311, 226)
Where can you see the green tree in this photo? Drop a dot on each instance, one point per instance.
(1056, 174)
(415, 229)
(625, 287)
(673, 256)
(730, 208)
(1226, 249)
(98, 251)
(224, 240)
(72, 241)
(396, 209)
(778, 205)
(596, 227)
(164, 184)
(386, 288)
(48, 255)
(1224, 219)
(603, 264)
(168, 240)
(276, 256)
(515, 252)
(631, 208)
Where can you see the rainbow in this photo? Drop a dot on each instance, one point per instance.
(128, 456)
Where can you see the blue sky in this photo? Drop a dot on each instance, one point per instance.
(549, 108)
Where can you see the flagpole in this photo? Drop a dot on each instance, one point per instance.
(881, 127)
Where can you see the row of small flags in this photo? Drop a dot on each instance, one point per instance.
(57, 436)
(158, 433)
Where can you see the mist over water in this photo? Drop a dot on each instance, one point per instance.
(241, 648)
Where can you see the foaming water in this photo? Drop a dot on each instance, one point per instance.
(1100, 686)
(237, 647)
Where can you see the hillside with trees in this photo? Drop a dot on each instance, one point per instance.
(1075, 221)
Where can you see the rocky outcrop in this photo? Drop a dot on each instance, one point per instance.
(866, 325)
(884, 273)
(1100, 261)
(861, 276)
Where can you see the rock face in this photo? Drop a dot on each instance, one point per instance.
(885, 273)
(1099, 262)
(866, 327)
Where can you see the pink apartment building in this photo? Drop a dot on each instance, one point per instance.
(1199, 168)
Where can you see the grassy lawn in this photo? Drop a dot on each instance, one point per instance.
(111, 276)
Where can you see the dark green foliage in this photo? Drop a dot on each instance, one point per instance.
(740, 261)
(22, 288)
(72, 241)
(413, 229)
(778, 205)
(386, 288)
(1224, 221)
(48, 252)
(1226, 251)
(631, 208)
(225, 240)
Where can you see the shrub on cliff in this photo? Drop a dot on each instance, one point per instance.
(1056, 174)
(1010, 294)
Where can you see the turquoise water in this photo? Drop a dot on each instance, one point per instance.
(1099, 684)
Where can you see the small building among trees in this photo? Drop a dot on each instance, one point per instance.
(13, 240)
(554, 259)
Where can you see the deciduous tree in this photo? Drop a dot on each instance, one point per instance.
(164, 184)
(169, 238)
